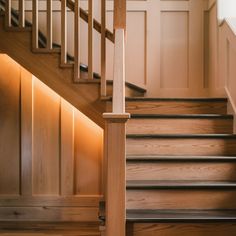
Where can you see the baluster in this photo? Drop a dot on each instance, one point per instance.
(77, 41)
(49, 24)
(22, 13)
(8, 14)
(90, 39)
(103, 48)
(35, 25)
(63, 32)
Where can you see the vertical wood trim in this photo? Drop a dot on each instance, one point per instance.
(35, 25)
(90, 39)
(49, 24)
(8, 14)
(26, 131)
(77, 41)
(119, 73)
(67, 148)
(103, 48)
(63, 32)
(22, 13)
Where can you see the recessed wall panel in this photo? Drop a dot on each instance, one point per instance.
(174, 49)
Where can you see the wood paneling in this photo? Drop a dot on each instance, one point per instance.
(51, 154)
(26, 132)
(45, 140)
(174, 50)
(88, 143)
(10, 127)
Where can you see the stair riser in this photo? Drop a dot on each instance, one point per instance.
(181, 199)
(176, 107)
(180, 126)
(181, 171)
(181, 146)
(181, 229)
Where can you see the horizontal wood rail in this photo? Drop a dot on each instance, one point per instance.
(84, 15)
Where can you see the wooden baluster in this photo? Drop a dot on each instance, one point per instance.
(49, 24)
(35, 25)
(77, 41)
(63, 32)
(90, 39)
(103, 48)
(8, 14)
(22, 13)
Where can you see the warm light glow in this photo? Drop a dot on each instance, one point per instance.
(11, 66)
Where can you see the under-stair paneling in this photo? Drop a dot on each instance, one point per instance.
(51, 153)
(9, 128)
(46, 126)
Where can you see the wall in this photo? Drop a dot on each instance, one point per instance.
(51, 154)
(227, 61)
(168, 45)
(227, 8)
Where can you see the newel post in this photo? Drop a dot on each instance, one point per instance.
(115, 139)
(115, 134)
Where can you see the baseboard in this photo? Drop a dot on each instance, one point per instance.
(231, 107)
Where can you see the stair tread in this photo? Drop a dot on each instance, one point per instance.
(179, 158)
(179, 215)
(198, 99)
(183, 116)
(137, 136)
(173, 184)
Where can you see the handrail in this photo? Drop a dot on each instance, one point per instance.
(84, 15)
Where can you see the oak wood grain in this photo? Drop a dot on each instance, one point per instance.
(180, 229)
(176, 107)
(180, 126)
(182, 146)
(180, 199)
(181, 171)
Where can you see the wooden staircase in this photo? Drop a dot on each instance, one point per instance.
(181, 168)
(18, 40)
(180, 153)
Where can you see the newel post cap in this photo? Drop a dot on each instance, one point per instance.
(116, 117)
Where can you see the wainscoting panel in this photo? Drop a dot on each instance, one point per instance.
(51, 154)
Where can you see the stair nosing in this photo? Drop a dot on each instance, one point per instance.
(109, 98)
(179, 136)
(152, 158)
(184, 215)
(181, 116)
(152, 185)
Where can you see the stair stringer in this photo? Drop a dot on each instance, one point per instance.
(45, 66)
